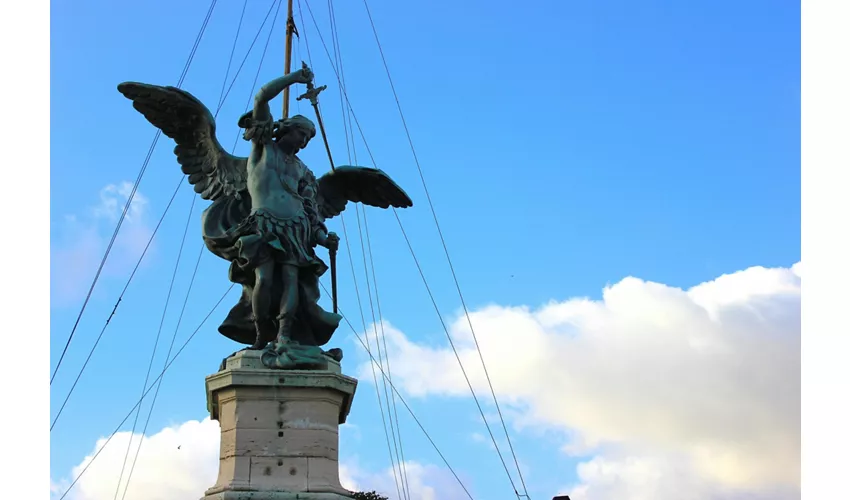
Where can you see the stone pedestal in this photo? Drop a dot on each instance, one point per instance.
(279, 430)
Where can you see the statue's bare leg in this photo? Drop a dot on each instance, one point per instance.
(288, 302)
(261, 301)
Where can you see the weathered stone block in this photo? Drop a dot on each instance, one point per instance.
(279, 430)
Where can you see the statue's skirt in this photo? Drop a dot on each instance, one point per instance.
(246, 239)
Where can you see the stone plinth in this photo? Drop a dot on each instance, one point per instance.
(279, 430)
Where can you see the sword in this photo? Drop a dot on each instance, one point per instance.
(312, 95)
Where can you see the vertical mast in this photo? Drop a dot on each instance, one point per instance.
(287, 64)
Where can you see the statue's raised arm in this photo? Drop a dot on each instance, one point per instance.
(269, 91)
(260, 127)
(179, 115)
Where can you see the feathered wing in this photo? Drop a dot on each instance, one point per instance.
(178, 114)
(369, 186)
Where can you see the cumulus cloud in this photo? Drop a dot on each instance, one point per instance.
(659, 477)
(178, 462)
(181, 461)
(708, 375)
(81, 240)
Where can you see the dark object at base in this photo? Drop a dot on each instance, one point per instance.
(335, 354)
(371, 495)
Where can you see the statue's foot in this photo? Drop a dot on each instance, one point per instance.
(264, 335)
(286, 354)
(257, 345)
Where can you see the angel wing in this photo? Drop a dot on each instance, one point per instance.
(178, 114)
(360, 185)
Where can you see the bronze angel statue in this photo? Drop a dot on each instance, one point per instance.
(267, 215)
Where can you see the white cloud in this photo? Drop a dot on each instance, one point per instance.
(78, 248)
(710, 374)
(113, 199)
(177, 462)
(658, 478)
(182, 462)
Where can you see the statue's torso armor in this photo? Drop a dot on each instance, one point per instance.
(273, 182)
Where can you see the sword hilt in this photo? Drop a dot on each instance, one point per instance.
(312, 94)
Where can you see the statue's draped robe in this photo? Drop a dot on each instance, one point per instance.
(223, 232)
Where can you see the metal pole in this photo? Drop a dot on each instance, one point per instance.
(287, 63)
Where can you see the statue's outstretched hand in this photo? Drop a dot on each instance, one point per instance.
(305, 74)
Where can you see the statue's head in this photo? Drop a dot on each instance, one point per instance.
(295, 132)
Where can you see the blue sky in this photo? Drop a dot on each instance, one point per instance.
(566, 146)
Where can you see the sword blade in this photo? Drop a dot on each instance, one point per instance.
(324, 135)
